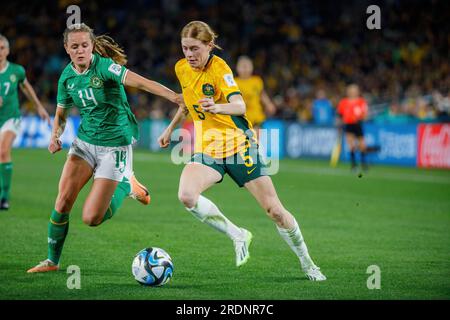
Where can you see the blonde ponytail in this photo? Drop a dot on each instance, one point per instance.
(106, 47)
(103, 45)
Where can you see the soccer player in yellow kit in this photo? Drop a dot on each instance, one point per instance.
(255, 97)
(224, 143)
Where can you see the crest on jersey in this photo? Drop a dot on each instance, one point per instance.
(70, 86)
(208, 90)
(13, 78)
(96, 82)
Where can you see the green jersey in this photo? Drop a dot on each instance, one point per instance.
(99, 94)
(10, 78)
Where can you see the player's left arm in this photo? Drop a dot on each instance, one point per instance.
(229, 90)
(132, 79)
(269, 106)
(164, 138)
(29, 92)
(235, 106)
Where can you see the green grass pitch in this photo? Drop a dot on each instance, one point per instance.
(395, 218)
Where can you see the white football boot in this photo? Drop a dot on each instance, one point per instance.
(241, 248)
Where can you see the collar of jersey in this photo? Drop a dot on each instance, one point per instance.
(207, 63)
(85, 71)
(5, 68)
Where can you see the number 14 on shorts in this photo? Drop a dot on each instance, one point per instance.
(121, 159)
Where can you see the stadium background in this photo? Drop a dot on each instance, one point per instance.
(298, 47)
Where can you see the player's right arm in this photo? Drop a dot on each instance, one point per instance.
(59, 124)
(134, 80)
(164, 138)
(64, 103)
(29, 92)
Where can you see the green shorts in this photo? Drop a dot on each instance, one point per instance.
(242, 167)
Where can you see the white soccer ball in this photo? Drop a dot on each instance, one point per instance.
(152, 267)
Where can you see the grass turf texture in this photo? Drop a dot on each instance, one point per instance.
(396, 218)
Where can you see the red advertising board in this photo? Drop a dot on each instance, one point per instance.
(433, 146)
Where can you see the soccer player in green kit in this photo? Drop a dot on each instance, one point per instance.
(12, 77)
(94, 82)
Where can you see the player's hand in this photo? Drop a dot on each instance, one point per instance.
(210, 106)
(43, 114)
(1, 102)
(184, 108)
(55, 145)
(178, 99)
(164, 138)
(271, 109)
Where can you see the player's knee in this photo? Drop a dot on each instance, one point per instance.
(188, 199)
(4, 154)
(276, 212)
(91, 220)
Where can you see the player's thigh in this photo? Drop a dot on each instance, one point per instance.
(99, 199)
(197, 177)
(350, 138)
(8, 133)
(114, 163)
(6, 141)
(361, 143)
(263, 190)
(76, 173)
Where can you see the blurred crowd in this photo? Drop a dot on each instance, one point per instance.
(306, 51)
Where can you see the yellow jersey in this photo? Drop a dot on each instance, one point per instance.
(217, 135)
(251, 89)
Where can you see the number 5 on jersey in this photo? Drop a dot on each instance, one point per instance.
(200, 114)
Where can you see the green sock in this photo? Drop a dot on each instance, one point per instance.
(57, 232)
(122, 191)
(5, 173)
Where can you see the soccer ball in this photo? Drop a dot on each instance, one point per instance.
(152, 267)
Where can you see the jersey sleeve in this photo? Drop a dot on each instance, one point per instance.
(225, 81)
(178, 71)
(63, 98)
(260, 84)
(21, 74)
(109, 70)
